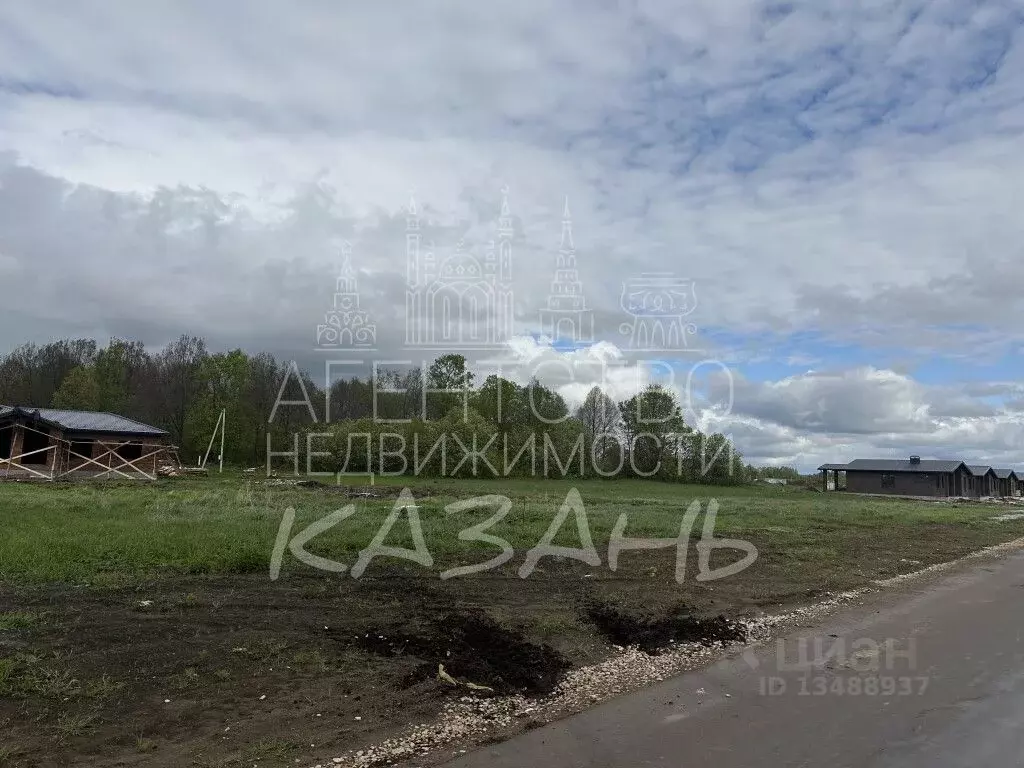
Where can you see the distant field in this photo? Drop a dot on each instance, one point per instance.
(228, 524)
(138, 621)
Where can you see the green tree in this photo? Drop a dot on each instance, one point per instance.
(78, 391)
(501, 402)
(653, 430)
(544, 406)
(119, 371)
(601, 421)
(223, 385)
(448, 372)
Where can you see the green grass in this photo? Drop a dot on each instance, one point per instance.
(112, 533)
(102, 688)
(71, 724)
(11, 620)
(277, 750)
(8, 752)
(8, 672)
(26, 674)
(310, 659)
(211, 639)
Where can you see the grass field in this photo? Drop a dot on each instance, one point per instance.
(117, 533)
(138, 622)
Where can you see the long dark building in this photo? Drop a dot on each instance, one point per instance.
(921, 477)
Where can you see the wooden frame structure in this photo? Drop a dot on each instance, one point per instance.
(123, 455)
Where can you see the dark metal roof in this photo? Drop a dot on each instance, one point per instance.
(1002, 474)
(83, 421)
(979, 469)
(897, 465)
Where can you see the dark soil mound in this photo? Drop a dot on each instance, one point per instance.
(653, 633)
(474, 648)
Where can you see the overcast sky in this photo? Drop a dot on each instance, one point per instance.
(841, 182)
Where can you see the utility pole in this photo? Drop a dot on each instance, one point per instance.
(219, 427)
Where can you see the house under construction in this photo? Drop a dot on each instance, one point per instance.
(51, 444)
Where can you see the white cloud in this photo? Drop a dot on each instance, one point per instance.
(844, 169)
(815, 418)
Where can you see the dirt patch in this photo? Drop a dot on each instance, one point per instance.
(234, 670)
(227, 672)
(653, 633)
(473, 648)
(342, 490)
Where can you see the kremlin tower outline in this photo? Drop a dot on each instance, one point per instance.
(346, 325)
(566, 317)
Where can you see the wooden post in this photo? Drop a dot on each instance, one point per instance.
(220, 425)
(223, 429)
(824, 480)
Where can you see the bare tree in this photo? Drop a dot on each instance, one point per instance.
(178, 367)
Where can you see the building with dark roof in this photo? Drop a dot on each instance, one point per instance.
(48, 444)
(1009, 482)
(921, 477)
(986, 483)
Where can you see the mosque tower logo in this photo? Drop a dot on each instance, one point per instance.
(346, 325)
(566, 317)
(460, 300)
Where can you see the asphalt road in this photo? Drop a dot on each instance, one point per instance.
(946, 657)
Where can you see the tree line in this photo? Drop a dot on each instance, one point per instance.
(385, 423)
(180, 388)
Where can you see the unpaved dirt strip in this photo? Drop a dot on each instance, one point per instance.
(473, 720)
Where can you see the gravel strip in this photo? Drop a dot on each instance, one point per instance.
(470, 719)
(995, 549)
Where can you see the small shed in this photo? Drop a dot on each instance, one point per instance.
(1009, 482)
(50, 444)
(985, 481)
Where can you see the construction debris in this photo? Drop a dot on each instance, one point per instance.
(445, 677)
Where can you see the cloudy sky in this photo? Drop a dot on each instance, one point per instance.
(841, 181)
